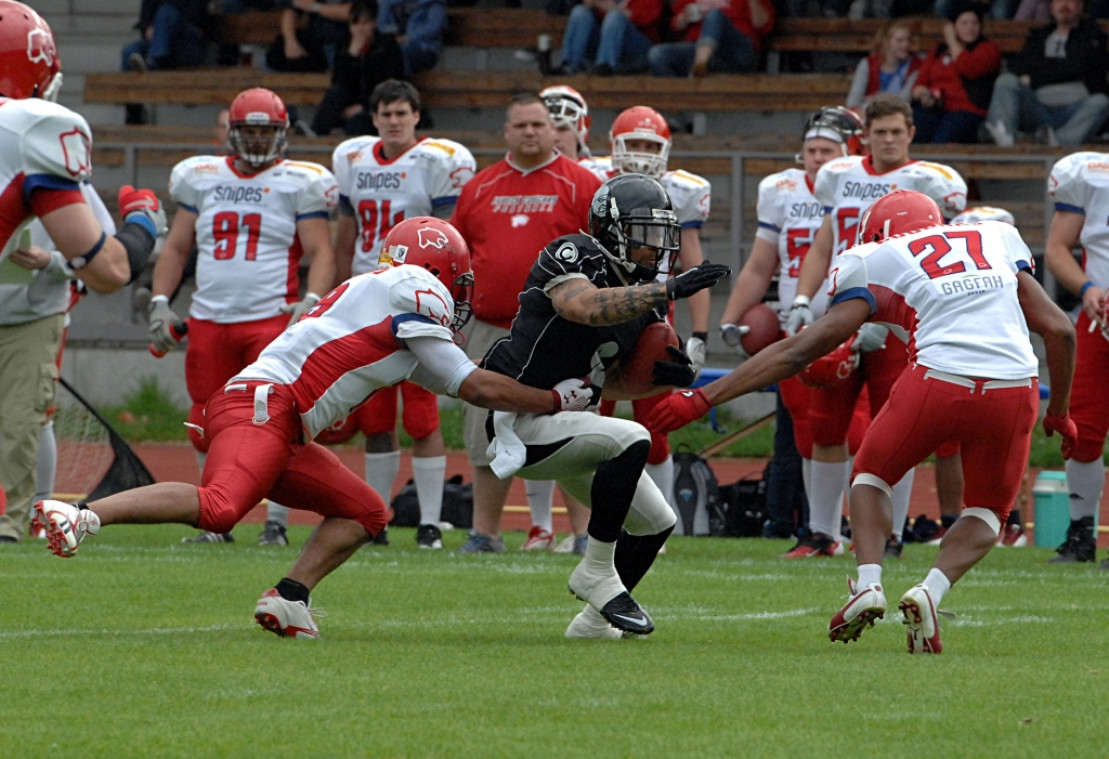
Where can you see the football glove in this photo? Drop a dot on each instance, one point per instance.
(572, 395)
(161, 319)
(870, 337)
(732, 335)
(800, 316)
(678, 410)
(696, 279)
(142, 207)
(300, 308)
(678, 372)
(1066, 428)
(695, 349)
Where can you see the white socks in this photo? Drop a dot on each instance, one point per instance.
(1085, 481)
(900, 496)
(381, 473)
(869, 574)
(829, 480)
(47, 464)
(937, 584)
(541, 502)
(429, 473)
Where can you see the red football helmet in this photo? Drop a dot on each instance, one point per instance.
(438, 247)
(29, 63)
(568, 108)
(831, 369)
(640, 123)
(258, 107)
(834, 122)
(898, 213)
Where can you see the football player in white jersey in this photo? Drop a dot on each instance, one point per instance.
(251, 216)
(382, 181)
(966, 298)
(789, 215)
(1079, 187)
(846, 187)
(640, 144)
(371, 332)
(47, 154)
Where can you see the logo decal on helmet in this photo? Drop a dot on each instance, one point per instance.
(432, 238)
(40, 48)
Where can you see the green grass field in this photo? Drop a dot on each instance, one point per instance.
(141, 646)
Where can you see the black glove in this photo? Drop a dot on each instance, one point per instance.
(677, 373)
(695, 280)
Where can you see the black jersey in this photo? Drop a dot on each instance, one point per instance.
(543, 348)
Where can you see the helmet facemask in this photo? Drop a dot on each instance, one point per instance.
(640, 162)
(258, 144)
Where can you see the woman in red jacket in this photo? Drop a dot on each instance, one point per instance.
(952, 93)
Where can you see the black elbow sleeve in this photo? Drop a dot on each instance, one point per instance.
(139, 244)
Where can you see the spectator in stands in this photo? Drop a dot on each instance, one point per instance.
(174, 35)
(715, 36)
(419, 26)
(953, 86)
(507, 213)
(610, 36)
(1056, 86)
(366, 62)
(892, 66)
(311, 34)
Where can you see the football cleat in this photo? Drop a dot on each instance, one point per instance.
(429, 536)
(1079, 545)
(66, 525)
(273, 534)
(893, 548)
(1013, 537)
(607, 594)
(210, 537)
(538, 540)
(920, 616)
(590, 624)
(288, 619)
(625, 614)
(479, 542)
(863, 608)
(818, 544)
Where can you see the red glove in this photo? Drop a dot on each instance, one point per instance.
(1064, 425)
(678, 410)
(142, 207)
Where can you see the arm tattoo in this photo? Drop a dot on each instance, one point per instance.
(617, 305)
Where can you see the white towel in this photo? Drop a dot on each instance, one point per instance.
(507, 449)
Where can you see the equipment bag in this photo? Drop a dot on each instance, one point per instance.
(458, 504)
(696, 496)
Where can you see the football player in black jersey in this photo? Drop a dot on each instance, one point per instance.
(582, 308)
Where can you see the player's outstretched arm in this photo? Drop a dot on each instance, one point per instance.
(496, 391)
(1049, 322)
(580, 301)
(76, 233)
(782, 359)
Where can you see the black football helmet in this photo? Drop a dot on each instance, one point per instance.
(631, 211)
(840, 124)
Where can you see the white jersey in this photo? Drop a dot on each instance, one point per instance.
(248, 252)
(984, 213)
(352, 343)
(789, 215)
(847, 186)
(953, 290)
(382, 192)
(690, 194)
(45, 145)
(1080, 183)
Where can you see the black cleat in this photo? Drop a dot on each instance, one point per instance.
(625, 614)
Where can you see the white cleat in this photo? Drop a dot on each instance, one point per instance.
(66, 525)
(289, 619)
(922, 626)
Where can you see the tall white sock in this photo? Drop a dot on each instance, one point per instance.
(806, 477)
(47, 464)
(541, 502)
(200, 459)
(1085, 481)
(902, 493)
(662, 474)
(275, 512)
(429, 473)
(937, 584)
(829, 480)
(381, 472)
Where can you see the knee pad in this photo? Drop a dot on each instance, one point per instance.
(989, 517)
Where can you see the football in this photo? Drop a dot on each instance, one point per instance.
(635, 369)
(765, 328)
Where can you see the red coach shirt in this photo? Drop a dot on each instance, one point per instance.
(507, 215)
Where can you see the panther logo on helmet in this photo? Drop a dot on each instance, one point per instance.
(29, 63)
(436, 246)
(432, 238)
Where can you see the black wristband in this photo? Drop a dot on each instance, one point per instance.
(139, 244)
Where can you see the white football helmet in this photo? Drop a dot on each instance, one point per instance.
(984, 213)
(568, 108)
(640, 123)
